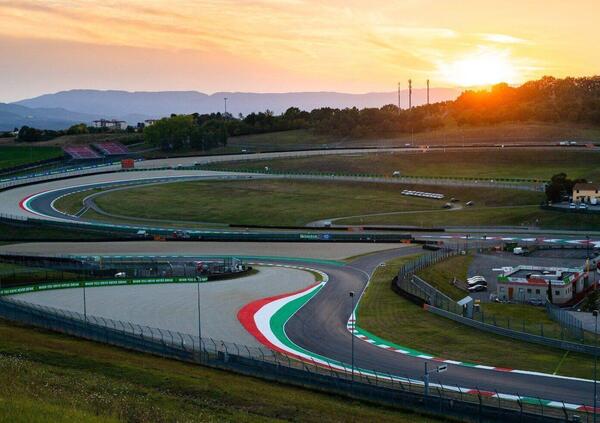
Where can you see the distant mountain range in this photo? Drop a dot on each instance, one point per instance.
(56, 111)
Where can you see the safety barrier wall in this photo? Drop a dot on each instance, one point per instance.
(209, 235)
(472, 406)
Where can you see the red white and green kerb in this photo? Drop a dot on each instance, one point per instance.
(266, 318)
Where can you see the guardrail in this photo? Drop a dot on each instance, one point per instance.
(397, 391)
(213, 235)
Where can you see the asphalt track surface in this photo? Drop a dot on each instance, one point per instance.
(175, 307)
(320, 326)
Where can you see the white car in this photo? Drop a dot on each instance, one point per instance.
(475, 279)
(477, 288)
(120, 275)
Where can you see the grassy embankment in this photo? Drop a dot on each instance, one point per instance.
(50, 377)
(11, 156)
(482, 164)
(287, 202)
(504, 133)
(390, 316)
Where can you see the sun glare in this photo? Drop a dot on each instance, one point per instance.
(482, 68)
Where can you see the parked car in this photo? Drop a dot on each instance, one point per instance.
(479, 280)
(396, 173)
(120, 275)
(477, 288)
(536, 302)
(469, 203)
(583, 206)
(518, 251)
(447, 206)
(572, 206)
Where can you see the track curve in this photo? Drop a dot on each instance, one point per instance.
(320, 325)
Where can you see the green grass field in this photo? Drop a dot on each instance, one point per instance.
(73, 203)
(441, 274)
(284, 202)
(390, 316)
(11, 156)
(20, 233)
(484, 164)
(47, 377)
(526, 216)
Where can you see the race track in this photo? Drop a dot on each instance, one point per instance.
(317, 329)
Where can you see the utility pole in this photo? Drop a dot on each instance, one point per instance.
(410, 94)
(428, 92)
(399, 105)
(225, 99)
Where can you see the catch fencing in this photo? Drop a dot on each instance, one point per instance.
(398, 391)
(504, 183)
(566, 320)
(567, 334)
(521, 336)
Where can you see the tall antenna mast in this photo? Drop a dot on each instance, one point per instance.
(428, 92)
(399, 106)
(410, 93)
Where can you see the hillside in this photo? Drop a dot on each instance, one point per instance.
(135, 106)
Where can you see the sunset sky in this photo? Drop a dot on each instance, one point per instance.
(290, 45)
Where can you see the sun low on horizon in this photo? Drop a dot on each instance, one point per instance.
(481, 69)
(294, 45)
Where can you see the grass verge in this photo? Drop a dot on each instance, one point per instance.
(443, 273)
(12, 156)
(51, 377)
(390, 316)
(481, 164)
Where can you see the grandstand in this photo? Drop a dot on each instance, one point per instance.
(111, 148)
(81, 152)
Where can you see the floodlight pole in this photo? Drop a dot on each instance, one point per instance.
(84, 304)
(595, 313)
(352, 326)
(426, 379)
(199, 320)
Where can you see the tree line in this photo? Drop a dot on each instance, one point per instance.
(548, 99)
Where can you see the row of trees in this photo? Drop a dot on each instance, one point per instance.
(560, 186)
(198, 132)
(548, 99)
(30, 134)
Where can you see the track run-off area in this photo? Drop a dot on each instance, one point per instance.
(316, 322)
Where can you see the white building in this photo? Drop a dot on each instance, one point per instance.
(527, 283)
